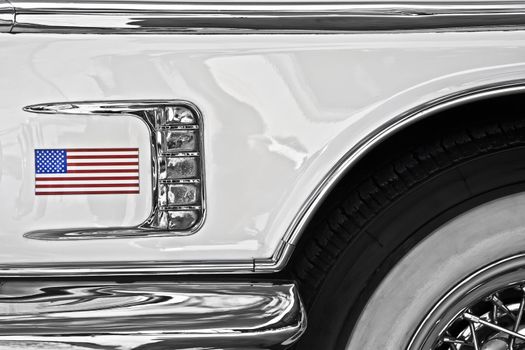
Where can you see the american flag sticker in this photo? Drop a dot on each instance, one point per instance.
(86, 171)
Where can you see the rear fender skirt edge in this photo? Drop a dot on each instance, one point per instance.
(285, 248)
(80, 314)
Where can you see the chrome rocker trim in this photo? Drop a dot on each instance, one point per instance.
(314, 16)
(87, 315)
(285, 249)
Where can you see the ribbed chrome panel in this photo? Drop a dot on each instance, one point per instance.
(154, 315)
(111, 16)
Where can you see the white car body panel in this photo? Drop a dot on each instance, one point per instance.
(279, 112)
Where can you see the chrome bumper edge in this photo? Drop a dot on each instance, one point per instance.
(70, 314)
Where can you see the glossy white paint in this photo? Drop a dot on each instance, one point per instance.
(279, 111)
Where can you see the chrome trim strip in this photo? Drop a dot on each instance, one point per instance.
(148, 112)
(285, 249)
(169, 315)
(306, 16)
(127, 268)
(7, 16)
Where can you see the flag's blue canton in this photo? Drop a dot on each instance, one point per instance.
(50, 161)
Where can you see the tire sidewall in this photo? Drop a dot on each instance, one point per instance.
(485, 234)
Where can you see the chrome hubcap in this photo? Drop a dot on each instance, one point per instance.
(483, 312)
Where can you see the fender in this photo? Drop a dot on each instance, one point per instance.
(346, 92)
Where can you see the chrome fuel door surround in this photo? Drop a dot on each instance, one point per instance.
(177, 165)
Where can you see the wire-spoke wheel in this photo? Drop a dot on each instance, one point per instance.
(461, 288)
(484, 312)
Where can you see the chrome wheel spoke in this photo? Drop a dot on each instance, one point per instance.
(499, 304)
(517, 323)
(454, 341)
(494, 314)
(474, 319)
(474, 335)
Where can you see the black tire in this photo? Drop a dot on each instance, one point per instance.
(398, 196)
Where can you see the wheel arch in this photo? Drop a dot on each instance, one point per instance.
(420, 115)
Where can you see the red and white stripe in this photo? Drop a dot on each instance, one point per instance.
(94, 171)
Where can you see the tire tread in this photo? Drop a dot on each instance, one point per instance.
(381, 187)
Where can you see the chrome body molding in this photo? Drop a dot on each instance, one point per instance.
(158, 224)
(61, 16)
(7, 16)
(111, 315)
(131, 268)
(285, 249)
